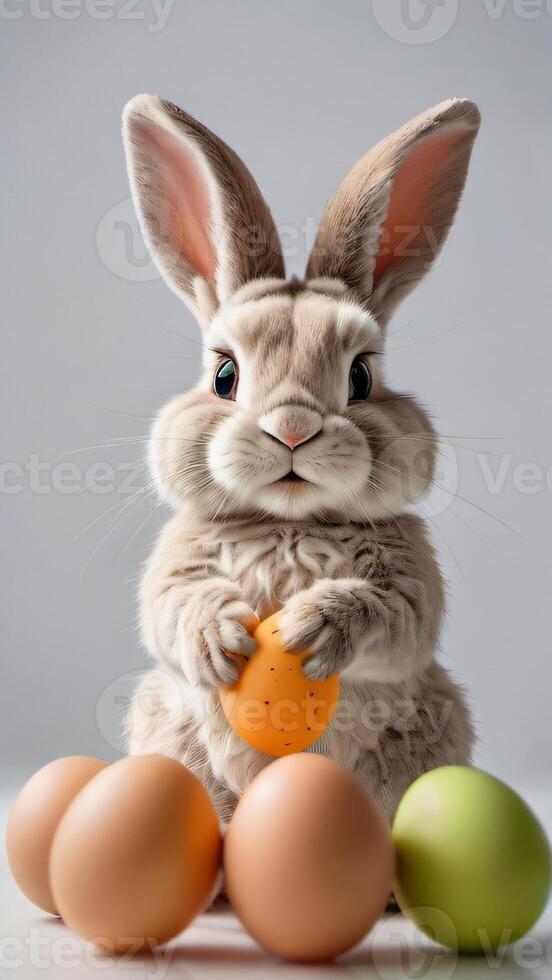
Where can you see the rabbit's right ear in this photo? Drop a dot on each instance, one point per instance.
(202, 215)
(389, 219)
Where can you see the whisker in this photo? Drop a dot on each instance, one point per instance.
(441, 533)
(118, 503)
(440, 442)
(482, 510)
(424, 340)
(118, 411)
(138, 530)
(175, 333)
(112, 444)
(130, 506)
(466, 524)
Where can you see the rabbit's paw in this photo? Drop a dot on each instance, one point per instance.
(215, 634)
(316, 619)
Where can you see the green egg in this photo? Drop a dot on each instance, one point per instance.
(473, 862)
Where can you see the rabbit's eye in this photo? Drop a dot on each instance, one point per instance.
(225, 379)
(360, 380)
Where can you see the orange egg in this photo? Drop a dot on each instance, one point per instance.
(136, 855)
(308, 859)
(272, 705)
(34, 819)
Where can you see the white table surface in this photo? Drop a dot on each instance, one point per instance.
(34, 945)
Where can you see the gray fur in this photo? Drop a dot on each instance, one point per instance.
(340, 552)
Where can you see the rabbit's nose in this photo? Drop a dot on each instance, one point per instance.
(293, 425)
(292, 439)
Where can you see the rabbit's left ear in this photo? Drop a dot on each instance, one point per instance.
(390, 217)
(202, 215)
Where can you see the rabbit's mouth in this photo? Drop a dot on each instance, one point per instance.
(292, 477)
(325, 475)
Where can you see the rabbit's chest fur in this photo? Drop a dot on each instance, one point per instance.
(390, 732)
(276, 563)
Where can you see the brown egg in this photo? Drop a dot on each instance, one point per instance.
(308, 859)
(34, 819)
(136, 855)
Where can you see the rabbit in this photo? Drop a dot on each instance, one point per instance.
(292, 469)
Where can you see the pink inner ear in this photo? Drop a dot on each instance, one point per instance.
(182, 185)
(410, 207)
